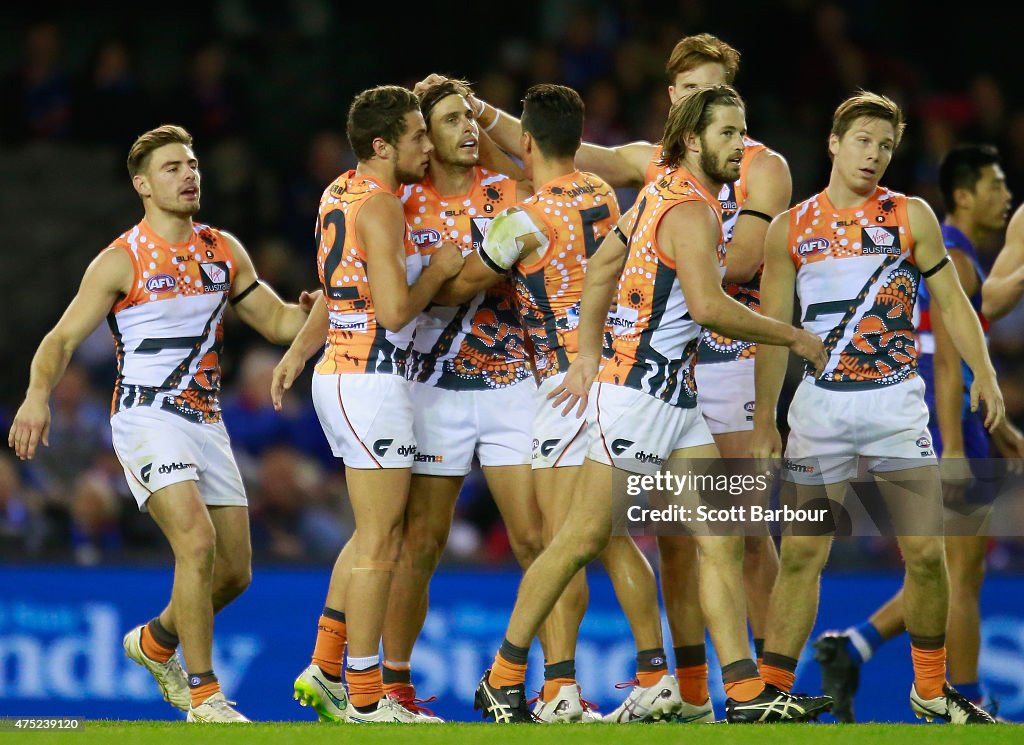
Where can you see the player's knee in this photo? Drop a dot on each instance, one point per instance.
(802, 554)
(382, 543)
(231, 583)
(589, 544)
(924, 556)
(197, 546)
(527, 547)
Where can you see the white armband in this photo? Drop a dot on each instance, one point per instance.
(503, 244)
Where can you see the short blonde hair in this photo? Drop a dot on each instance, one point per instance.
(148, 142)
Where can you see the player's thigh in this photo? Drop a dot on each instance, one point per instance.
(379, 497)
(513, 490)
(181, 515)
(555, 488)
(430, 510)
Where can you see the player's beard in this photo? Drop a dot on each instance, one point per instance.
(721, 170)
(403, 176)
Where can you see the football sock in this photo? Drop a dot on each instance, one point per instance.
(201, 686)
(329, 650)
(556, 675)
(509, 668)
(365, 687)
(692, 673)
(928, 654)
(863, 641)
(779, 670)
(157, 642)
(396, 675)
(651, 666)
(741, 680)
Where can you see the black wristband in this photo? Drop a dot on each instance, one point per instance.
(621, 236)
(242, 295)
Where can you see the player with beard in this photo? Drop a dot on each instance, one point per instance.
(855, 253)
(725, 367)
(643, 400)
(374, 288)
(163, 287)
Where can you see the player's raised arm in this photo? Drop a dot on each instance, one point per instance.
(108, 278)
(621, 166)
(960, 319)
(1004, 286)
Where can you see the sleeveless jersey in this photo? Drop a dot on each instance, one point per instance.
(857, 282)
(655, 339)
(479, 344)
(356, 343)
(168, 329)
(577, 211)
(954, 239)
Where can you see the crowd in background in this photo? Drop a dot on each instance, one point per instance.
(264, 90)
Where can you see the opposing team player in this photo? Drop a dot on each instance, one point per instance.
(725, 367)
(374, 287)
(163, 287)
(644, 398)
(855, 254)
(977, 205)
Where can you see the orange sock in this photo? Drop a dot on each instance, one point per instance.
(744, 690)
(778, 677)
(693, 683)
(329, 650)
(203, 692)
(153, 649)
(365, 687)
(929, 671)
(505, 673)
(396, 678)
(551, 687)
(648, 678)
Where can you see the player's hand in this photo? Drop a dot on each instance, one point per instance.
(31, 424)
(575, 386)
(765, 446)
(431, 80)
(956, 476)
(986, 388)
(1010, 443)
(287, 370)
(448, 259)
(810, 347)
(308, 300)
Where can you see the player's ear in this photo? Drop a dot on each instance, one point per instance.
(692, 140)
(141, 185)
(833, 144)
(381, 148)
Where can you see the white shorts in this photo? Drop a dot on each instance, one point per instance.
(451, 426)
(157, 448)
(636, 432)
(557, 440)
(725, 392)
(367, 418)
(829, 429)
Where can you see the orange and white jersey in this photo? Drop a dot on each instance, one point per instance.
(654, 337)
(168, 329)
(478, 345)
(574, 212)
(356, 343)
(857, 282)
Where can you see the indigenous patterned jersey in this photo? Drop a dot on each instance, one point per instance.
(356, 343)
(576, 211)
(477, 345)
(857, 282)
(654, 337)
(169, 328)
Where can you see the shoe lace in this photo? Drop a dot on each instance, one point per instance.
(409, 702)
(628, 683)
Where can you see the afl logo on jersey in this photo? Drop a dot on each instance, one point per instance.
(161, 283)
(813, 246)
(425, 238)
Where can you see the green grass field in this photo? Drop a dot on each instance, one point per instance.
(143, 733)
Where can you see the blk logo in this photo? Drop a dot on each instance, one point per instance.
(620, 446)
(380, 447)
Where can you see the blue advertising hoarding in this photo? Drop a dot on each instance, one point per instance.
(61, 629)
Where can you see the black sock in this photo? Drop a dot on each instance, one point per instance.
(649, 660)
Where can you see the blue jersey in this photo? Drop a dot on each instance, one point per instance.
(975, 437)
